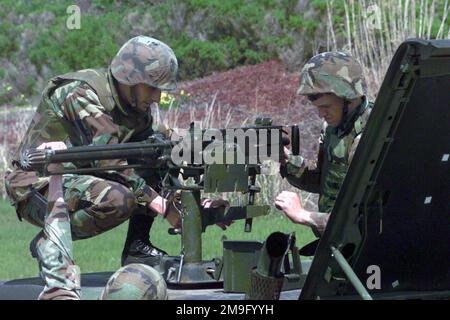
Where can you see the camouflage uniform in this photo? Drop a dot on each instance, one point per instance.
(71, 111)
(338, 73)
(84, 108)
(135, 282)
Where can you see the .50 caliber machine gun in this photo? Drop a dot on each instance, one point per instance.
(211, 160)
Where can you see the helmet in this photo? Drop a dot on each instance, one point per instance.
(135, 282)
(333, 72)
(145, 60)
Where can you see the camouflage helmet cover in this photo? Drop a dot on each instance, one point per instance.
(333, 72)
(145, 60)
(135, 282)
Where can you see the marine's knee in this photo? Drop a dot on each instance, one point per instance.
(33, 209)
(115, 199)
(98, 206)
(123, 200)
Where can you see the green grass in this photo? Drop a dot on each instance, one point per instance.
(102, 253)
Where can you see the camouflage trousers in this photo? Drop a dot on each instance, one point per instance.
(93, 206)
(52, 247)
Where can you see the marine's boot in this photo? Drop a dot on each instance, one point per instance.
(138, 248)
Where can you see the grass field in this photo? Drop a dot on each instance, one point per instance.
(102, 253)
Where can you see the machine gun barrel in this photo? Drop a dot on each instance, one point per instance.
(152, 149)
(37, 160)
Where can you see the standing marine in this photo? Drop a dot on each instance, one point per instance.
(334, 83)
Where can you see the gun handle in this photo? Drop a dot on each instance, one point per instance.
(295, 140)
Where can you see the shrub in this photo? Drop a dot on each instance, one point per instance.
(197, 57)
(8, 39)
(65, 50)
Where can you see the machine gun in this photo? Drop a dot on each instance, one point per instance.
(212, 160)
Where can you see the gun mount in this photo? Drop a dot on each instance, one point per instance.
(209, 161)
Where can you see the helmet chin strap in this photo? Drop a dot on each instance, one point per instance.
(344, 112)
(345, 120)
(134, 97)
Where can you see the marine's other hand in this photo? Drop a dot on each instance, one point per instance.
(291, 205)
(210, 203)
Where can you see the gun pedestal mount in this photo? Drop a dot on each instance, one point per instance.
(189, 269)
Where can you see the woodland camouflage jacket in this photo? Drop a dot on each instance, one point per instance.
(82, 108)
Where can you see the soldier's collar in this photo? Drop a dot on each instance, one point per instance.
(115, 95)
(350, 119)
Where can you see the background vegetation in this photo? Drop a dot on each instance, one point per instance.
(207, 35)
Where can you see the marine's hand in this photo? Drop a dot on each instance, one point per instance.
(291, 205)
(54, 145)
(285, 156)
(173, 215)
(209, 203)
(168, 209)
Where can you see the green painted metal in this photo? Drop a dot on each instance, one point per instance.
(239, 258)
(212, 216)
(226, 178)
(192, 227)
(352, 277)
